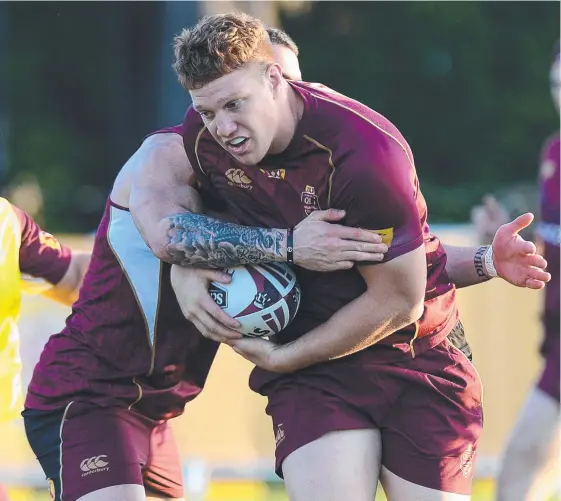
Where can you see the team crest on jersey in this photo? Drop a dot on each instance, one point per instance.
(237, 178)
(310, 200)
(274, 174)
(47, 240)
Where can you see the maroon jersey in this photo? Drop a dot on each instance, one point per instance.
(40, 254)
(126, 342)
(346, 156)
(550, 233)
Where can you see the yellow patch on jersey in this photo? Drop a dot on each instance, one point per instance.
(386, 234)
(48, 240)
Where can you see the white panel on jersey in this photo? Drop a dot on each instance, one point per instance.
(139, 264)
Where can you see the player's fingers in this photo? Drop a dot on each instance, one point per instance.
(218, 314)
(532, 283)
(216, 330)
(535, 260)
(520, 223)
(326, 215)
(513, 244)
(217, 276)
(539, 274)
(527, 247)
(203, 330)
(358, 256)
(367, 247)
(357, 234)
(343, 265)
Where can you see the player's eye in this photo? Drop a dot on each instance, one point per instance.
(207, 115)
(233, 105)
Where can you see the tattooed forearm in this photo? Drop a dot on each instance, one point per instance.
(199, 240)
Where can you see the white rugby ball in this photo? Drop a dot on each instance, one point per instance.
(263, 298)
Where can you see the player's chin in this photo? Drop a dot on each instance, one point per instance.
(250, 158)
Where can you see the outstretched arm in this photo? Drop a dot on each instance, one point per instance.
(516, 260)
(66, 291)
(47, 266)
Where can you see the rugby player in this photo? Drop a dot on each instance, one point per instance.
(30, 260)
(347, 364)
(531, 466)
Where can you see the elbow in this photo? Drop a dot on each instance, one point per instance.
(158, 241)
(161, 250)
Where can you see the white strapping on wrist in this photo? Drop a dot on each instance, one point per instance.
(489, 262)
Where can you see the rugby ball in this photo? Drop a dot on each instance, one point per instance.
(264, 298)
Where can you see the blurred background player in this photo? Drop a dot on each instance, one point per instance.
(31, 260)
(531, 469)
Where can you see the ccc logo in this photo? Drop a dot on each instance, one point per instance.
(237, 176)
(93, 463)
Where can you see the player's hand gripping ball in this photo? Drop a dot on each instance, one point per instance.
(263, 298)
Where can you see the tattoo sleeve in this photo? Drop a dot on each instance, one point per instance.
(203, 241)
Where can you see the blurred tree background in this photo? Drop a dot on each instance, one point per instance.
(467, 83)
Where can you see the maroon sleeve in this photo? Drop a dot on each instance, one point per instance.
(377, 186)
(41, 255)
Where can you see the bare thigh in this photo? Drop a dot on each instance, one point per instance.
(399, 489)
(338, 466)
(124, 493)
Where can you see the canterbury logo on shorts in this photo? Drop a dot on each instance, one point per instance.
(94, 464)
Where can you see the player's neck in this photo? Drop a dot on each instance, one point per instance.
(293, 108)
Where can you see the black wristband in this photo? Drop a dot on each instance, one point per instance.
(290, 246)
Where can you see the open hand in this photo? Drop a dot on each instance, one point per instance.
(516, 260)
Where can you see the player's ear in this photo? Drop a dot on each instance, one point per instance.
(274, 76)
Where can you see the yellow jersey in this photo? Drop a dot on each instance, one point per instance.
(24, 249)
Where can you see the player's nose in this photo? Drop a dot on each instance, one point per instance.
(225, 128)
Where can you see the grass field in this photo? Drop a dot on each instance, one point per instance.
(252, 491)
